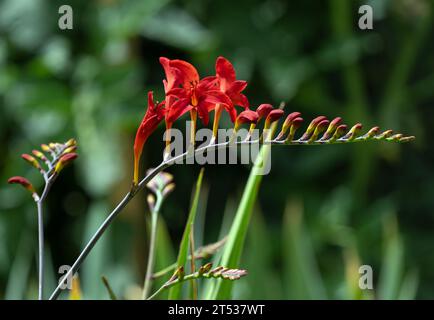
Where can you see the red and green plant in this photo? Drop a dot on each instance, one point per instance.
(185, 91)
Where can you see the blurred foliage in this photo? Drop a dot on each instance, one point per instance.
(321, 212)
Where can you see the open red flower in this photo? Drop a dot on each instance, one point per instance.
(153, 116)
(228, 84)
(175, 108)
(192, 92)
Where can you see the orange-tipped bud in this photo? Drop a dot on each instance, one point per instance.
(69, 149)
(52, 146)
(296, 123)
(64, 160)
(354, 132)
(32, 161)
(407, 139)
(371, 133)
(340, 131)
(385, 134)
(168, 189)
(311, 128)
(151, 201)
(71, 142)
(288, 121)
(318, 129)
(45, 148)
(22, 181)
(332, 128)
(40, 155)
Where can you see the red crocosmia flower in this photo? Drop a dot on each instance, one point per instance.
(175, 108)
(200, 95)
(263, 110)
(247, 116)
(154, 115)
(228, 84)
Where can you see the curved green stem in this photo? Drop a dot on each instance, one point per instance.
(151, 255)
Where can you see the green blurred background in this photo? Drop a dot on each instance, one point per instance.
(322, 211)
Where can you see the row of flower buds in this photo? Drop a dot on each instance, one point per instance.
(49, 161)
(319, 131)
(206, 271)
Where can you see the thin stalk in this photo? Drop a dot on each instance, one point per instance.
(172, 283)
(41, 250)
(192, 264)
(163, 165)
(151, 255)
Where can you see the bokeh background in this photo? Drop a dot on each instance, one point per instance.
(322, 211)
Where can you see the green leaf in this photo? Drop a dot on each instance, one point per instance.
(393, 260)
(237, 234)
(302, 277)
(175, 292)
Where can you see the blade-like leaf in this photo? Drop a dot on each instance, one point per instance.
(237, 234)
(175, 292)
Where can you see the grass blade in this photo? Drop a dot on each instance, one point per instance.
(237, 234)
(175, 292)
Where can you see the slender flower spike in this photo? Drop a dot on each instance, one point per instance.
(64, 161)
(153, 116)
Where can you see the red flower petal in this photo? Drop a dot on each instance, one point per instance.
(188, 73)
(225, 70)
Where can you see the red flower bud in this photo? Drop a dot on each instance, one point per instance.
(65, 160)
(247, 116)
(273, 116)
(22, 181)
(31, 160)
(263, 110)
(40, 155)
